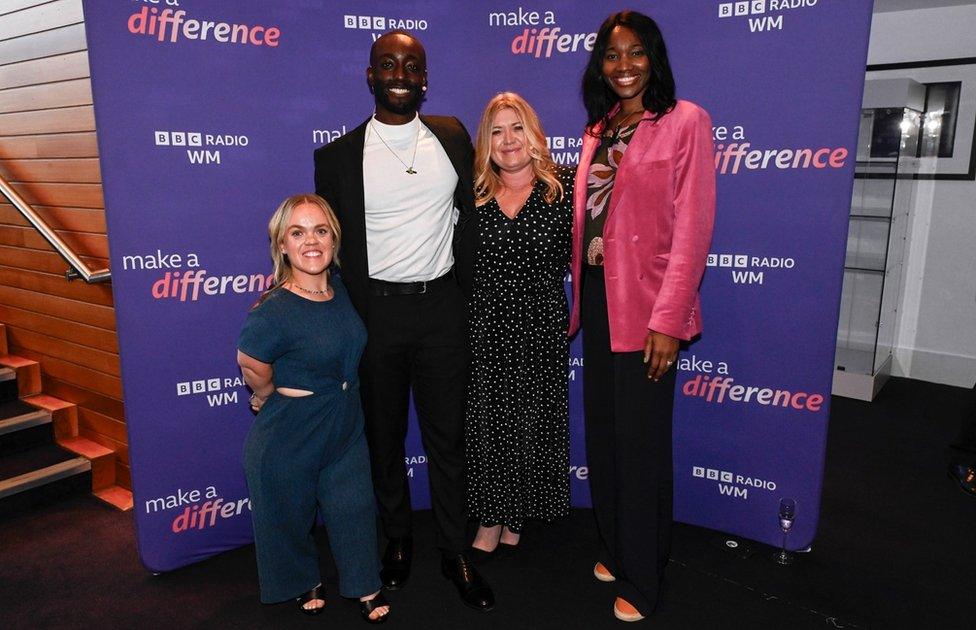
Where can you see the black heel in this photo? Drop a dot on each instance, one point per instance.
(505, 550)
(368, 606)
(480, 556)
(316, 593)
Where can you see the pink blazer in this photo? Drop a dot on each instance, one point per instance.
(658, 228)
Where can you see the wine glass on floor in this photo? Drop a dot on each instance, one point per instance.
(787, 514)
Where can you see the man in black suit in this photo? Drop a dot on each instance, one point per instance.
(401, 185)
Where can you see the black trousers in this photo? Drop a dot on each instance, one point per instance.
(628, 451)
(418, 342)
(964, 446)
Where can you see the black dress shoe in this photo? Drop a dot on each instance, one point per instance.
(474, 591)
(965, 476)
(396, 562)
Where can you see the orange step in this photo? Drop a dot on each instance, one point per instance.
(64, 414)
(102, 460)
(28, 374)
(117, 497)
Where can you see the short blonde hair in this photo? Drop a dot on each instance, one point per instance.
(486, 180)
(278, 225)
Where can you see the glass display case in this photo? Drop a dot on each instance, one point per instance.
(881, 204)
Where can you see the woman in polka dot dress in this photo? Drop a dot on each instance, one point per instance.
(518, 415)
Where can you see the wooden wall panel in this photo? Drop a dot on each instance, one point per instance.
(49, 154)
(68, 309)
(95, 244)
(58, 41)
(80, 118)
(40, 18)
(79, 334)
(9, 6)
(46, 96)
(100, 383)
(78, 171)
(47, 70)
(61, 145)
(86, 398)
(47, 262)
(83, 356)
(100, 423)
(65, 219)
(89, 389)
(51, 284)
(51, 194)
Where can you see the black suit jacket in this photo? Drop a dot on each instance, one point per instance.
(339, 180)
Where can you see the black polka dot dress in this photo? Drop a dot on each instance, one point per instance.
(517, 433)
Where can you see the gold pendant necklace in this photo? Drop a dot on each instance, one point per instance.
(413, 160)
(616, 130)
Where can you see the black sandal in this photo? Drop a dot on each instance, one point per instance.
(316, 593)
(368, 606)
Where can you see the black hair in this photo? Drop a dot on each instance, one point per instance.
(398, 31)
(659, 98)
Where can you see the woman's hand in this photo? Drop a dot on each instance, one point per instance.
(257, 402)
(660, 353)
(257, 375)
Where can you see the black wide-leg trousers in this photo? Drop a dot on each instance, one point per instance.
(628, 451)
(964, 446)
(418, 342)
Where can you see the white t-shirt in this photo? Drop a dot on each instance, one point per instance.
(409, 218)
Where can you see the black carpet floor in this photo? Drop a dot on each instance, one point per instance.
(896, 549)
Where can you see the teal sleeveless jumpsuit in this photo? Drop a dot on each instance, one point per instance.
(309, 453)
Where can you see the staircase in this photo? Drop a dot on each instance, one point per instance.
(42, 456)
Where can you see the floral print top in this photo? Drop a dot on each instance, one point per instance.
(599, 186)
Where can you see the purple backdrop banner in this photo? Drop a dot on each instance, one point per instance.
(208, 113)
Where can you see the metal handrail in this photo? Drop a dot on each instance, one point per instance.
(78, 267)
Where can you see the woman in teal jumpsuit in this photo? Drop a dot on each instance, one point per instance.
(299, 352)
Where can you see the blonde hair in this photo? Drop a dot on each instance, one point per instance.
(487, 182)
(278, 225)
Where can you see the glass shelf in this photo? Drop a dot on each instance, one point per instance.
(863, 270)
(880, 203)
(871, 217)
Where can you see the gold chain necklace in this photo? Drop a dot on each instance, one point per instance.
(616, 130)
(311, 291)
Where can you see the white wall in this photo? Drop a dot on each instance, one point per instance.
(936, 337)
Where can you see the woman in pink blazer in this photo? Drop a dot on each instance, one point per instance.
(643, 212)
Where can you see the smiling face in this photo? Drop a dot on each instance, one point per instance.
(626, 67)
(509, 145)
(308, 242)
(397, 75)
